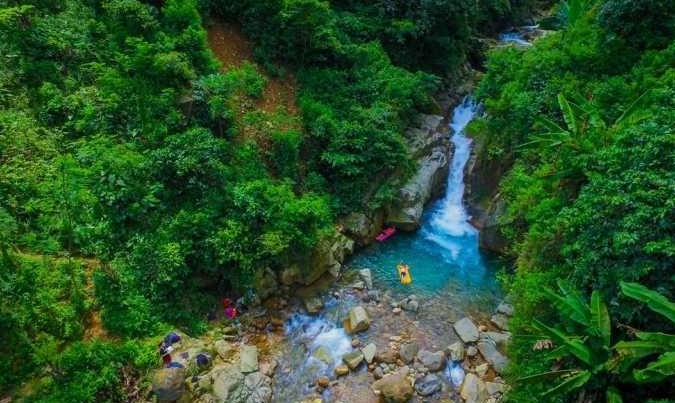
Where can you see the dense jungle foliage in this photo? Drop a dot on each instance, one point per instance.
(138, 180)
(584, 123)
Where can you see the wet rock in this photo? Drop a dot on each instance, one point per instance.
(471, 351)
(408, 351)
(395, 387)
(473, 390)
(495, 388)
(358, 285)
(323, 381)
(313, 305)
(356, 342)
(374, 295)
(501, 339)
(367, 277)
(378, 373)
(434, 361)
(224, 349)
(482, 369)
(228, 383)
(248, 358)
(428, 385)
(268, 367)
(323, 354)
(357, 321)
(466, 330)
(396, 311)
(169, 384)
(341, 370)
(369, 352)
(412, 306)
(353, 359)
(505, 309)
(456, 351)
(501, 321)
(387, 356)
(258, 387)
(489, 351)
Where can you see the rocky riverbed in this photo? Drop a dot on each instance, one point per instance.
(400, 350)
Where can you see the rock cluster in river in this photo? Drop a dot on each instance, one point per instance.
(398, 366)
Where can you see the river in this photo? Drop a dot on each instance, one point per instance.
(452, 278)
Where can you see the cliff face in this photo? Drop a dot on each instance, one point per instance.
(481, 194)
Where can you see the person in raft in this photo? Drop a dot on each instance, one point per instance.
(404, 272)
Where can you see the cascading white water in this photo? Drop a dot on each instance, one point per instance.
(452, 217)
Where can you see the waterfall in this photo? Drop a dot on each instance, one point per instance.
(450, 219)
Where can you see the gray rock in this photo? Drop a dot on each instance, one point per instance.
(412, 306)
(456, 351)
(501, 339)
(495, 388)
(374, 295)
(228, 384)
(394, 387)
(471, 351)
(353, 359)
(367, 277)
(369, 352)
(258, 388)
(482, 369)
(408, 351)
(473, 390)
(505, 309)
(501, 321)
(248, 358)
(323, 354)
(341, 370)
(378, 373)
(169, 383)
(466, 330)
(489, 351)
(428, 385)
(313, 305)
(357, 321)
(358, 285)
(434, 361)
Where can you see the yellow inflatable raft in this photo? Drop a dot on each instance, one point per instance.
(404, 273)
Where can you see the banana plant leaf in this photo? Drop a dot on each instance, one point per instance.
(600, 321)
(613, 395)
(570, 384)
(657, 370)
(573, 345)
(655, 301)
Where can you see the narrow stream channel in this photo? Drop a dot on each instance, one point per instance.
(452, 278)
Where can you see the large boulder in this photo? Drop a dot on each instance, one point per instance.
(473, 389)
(428, 143)
(328, 255)
(489, 351)
(394, 387)
(258, 388)
(228, 383)
(353, 359)
(408, 351)
(434, 361)
(248, 358)
(428, 385)
(169, 384)
(466, 330)
(363, 227)
(357, 321)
